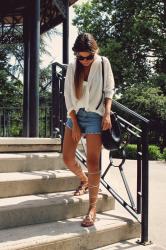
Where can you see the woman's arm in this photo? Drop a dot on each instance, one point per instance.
(106, 121)
(108, 105)
(108, 93)
(109, 84)
(68, 88)
(76, 132)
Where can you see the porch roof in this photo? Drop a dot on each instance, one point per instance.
(52, 13)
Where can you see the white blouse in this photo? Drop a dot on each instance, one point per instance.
(92, 88)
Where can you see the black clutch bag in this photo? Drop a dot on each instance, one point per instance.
(111, 138)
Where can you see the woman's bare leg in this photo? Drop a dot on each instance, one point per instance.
(69, 149)
(93, 160)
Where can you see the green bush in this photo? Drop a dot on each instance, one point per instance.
(131, 152)
(154, 153)
(164, 154)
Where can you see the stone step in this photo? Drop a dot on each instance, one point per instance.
(36, 182)
(110, 227)
(24, 162)
(42, 208)
(33, 144)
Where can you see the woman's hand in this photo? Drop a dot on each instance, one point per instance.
(76, 132)
(106, 121)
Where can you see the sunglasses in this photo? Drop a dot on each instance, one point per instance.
(81, 58)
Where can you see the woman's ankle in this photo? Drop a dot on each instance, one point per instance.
(84, 179)
(92, 210)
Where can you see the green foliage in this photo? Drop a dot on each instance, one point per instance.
(148, 101)
(11, 87)
(164, 154)
(130, 33)
(159, 80)
(10, 99)
(131, 152)
(154, 153)
(94, 17)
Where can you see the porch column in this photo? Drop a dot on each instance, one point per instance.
(26, 35)
(34, 69)
(66, 34)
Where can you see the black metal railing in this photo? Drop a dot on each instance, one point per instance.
(134, 129)
(140, 133)
(45, 117)
(11, 121)
(58, 104)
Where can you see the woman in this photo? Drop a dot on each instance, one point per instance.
(83, 91)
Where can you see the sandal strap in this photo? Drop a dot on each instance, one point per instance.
(79, 172)
(88, 220)
(83, 185)
(94, 196)
(82, 188)
(90, 217)
(93, 204)
(94, 186)
(95, 173)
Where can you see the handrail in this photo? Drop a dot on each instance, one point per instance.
(129, 111)
(144, 173)
(139, 131)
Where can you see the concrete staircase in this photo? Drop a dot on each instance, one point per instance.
(37, 207)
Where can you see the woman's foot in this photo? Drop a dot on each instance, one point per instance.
(82, 189)
(89, 219)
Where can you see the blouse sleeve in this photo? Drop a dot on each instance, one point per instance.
(109, 83)
(68, 89)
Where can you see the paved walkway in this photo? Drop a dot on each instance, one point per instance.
(157, 198)
(131, 245)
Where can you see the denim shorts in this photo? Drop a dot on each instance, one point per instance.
(89, 122)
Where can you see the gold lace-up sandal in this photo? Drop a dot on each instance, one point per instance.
(90, 218)
(83, 187)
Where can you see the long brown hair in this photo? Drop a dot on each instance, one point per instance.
(85, 42)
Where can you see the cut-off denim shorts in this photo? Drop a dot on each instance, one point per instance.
(89, 122)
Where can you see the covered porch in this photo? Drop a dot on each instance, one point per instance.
(24, 22)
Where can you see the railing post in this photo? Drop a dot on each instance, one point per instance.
(4, 123)
(139, 174)
(62, 104)
(45, 121)
(55, 101)
(145, 185)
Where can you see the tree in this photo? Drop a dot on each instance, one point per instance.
(11, 86)
(131, 34)
(150, 102)
(11, 73)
